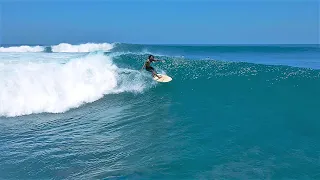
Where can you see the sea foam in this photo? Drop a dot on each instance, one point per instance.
(28, 87)
(22, 49)
(62, 47)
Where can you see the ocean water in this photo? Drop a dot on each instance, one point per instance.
(231, 112)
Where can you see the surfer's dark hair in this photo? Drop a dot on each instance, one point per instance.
(150, 56)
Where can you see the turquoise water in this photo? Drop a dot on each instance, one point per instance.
(231, 112)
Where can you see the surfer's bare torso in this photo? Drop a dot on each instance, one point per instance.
(148, 67)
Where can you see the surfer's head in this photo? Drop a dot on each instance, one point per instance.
(151, 57)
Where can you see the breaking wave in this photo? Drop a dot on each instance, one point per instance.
(36, 87)
(62, 47)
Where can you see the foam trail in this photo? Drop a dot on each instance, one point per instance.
(88, 47)
(35, 87)
(22, 49)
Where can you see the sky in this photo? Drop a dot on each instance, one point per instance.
(160, 22)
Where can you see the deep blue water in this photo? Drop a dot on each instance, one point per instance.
(230, 112)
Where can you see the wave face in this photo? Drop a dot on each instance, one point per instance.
(56, 82)
(293, 55)
(204, 50)
(36, 87)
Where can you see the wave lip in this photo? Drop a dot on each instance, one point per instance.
(88, 47)
(37, 87)
(22, 49)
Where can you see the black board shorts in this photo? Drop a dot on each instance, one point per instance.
(150, 69)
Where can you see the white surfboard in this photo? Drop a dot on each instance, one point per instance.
(164, 78)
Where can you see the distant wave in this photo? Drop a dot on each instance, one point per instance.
(62, 47)
(172, 50)
(22, 49)
(88, 47)
(36, 87)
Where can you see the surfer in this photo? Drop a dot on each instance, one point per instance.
(148, 66)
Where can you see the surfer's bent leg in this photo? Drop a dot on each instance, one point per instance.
(154, 73)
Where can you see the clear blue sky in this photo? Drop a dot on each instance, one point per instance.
(158, 22)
